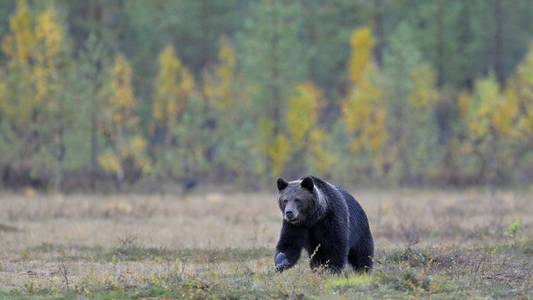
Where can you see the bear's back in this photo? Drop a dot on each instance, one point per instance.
(357, 220)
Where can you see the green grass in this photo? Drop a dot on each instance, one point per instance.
(357, 281)
(447, 273)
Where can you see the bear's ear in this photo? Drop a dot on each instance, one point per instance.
(282, 184)
(307, 183)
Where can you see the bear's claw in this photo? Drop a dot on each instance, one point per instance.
(281, 262)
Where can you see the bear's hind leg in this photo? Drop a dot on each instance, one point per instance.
(331, 259)
(359, 261)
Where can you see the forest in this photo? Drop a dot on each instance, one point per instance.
(103, 94)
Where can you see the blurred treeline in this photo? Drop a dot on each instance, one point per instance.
(238, 91)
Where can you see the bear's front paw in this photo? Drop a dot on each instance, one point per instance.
(281, 262)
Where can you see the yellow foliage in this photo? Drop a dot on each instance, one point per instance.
(120, 123)
(321, 159)
(110, 163)
(279, 153)
(220, 88)
(122, 101)
(18, 45)
(364, 114)
(49, 40)
(463, 103)
(486, 96)
(491, 113)
(32, 48)
(227, 58)
(520, 92)
(3, 97)
(302, 113)
(137, 150)
(137, 146)
(274, 146)
(49, 34)
(173, 87)
(505, 113)
(424, 94)
(266, 132)
(362, 44)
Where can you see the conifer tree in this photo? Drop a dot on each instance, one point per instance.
(271, 58)
(412, 95)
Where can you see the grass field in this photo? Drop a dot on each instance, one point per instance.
(430, 243)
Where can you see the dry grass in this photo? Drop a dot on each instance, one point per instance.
(451, 244)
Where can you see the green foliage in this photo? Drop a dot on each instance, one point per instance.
(514, 229)
(270, 54)
(412, 97)
(246, 90)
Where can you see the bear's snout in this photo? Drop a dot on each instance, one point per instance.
(289, 215)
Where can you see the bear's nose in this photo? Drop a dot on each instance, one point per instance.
(289, 214)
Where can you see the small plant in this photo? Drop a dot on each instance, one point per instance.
(514, 229)
(62, 266)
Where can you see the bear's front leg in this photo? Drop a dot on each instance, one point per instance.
(292, 240)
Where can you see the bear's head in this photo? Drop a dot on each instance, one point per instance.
(297, 199)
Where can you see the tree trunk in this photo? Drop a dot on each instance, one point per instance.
(498, 42)
(440, 43)
(94, 144)
(95, 12)
(275, 73)
(378, 31)
(60, 161)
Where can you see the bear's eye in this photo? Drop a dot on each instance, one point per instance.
(284, 201)
(297, 201)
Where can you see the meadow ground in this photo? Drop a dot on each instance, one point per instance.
(429, 243)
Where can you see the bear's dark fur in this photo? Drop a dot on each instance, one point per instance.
(324, 220)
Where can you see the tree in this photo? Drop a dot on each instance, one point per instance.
(93, 58)
(20, 109)
(489, 123)
(520, 94)
(412, 96)
(49, 72)
(307, 141)
(37, 114)
(515, 118)
(220, 86)
(174, 86)
(364, 110)
(271, 54)
(229, 115)
(125, 156)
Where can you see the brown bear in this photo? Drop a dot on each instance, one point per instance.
(327, 222)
